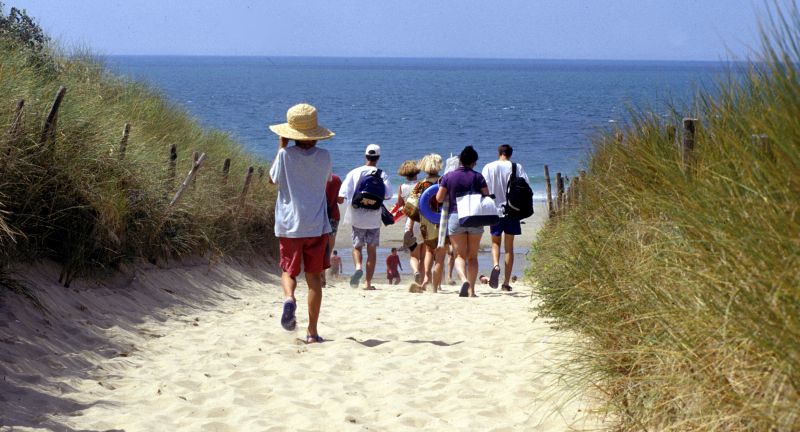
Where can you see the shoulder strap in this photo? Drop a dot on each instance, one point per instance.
(513, 176)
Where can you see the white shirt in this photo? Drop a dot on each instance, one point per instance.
(301, 176)
(497, 174)
(359, 217)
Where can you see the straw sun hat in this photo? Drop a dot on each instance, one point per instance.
(301, 124)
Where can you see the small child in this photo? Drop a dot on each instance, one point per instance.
(392, 262)
(336, 265)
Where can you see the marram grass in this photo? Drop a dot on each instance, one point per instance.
(684, 284)
(75, 201)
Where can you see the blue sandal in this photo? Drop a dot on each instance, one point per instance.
(288, 321)
(314, 339)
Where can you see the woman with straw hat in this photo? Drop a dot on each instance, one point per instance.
(301, 173)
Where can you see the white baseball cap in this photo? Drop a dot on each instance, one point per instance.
(373, 150)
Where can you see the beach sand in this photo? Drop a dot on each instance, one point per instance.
(200, 348)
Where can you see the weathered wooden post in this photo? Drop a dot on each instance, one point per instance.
(247, 180)
(581, 187)
(49, 128)
(226, 168)
(762, 143)
(171, 162)
(123, 143)
(573, 191)
(195, 157)
(689, 126)
(548, 191)
(260, 173)
(16, 125)
(189, 178)
(559, 192)
(619, 136)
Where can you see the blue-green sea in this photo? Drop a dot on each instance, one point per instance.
(547, 110)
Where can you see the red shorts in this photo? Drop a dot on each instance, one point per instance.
(309, 250)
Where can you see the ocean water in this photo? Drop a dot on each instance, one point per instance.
(547, 110)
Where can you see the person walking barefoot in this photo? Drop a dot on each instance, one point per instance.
(301, 173)
(465, 240)
(366, 222)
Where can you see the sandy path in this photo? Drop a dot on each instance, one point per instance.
(394, 361)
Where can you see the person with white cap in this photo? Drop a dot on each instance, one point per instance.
(301, 173)
(365, 188)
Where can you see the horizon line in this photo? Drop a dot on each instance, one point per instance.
(340, 57)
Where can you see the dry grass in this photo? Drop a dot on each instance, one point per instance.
(685, 284)
(76, 201)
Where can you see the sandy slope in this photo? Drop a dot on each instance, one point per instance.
(394, 360)
(199, 348)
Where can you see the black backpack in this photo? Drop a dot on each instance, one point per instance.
(519, 196)
(370, 191)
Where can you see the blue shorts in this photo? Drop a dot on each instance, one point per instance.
(453, 227)
(506, 225)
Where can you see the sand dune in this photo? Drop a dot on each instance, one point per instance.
(393, 361)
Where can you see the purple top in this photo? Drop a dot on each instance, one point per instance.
(460, 182)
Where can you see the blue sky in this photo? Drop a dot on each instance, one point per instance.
(549, 29)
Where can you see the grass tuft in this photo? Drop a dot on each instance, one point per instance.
(685, 283)
(75, 200)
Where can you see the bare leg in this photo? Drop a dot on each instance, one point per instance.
(289, 284)
(357, 258)
(474, 243)
(314, 281)
(371, 259)
(427, 267)
(451, 261)
(438, 268)
(461, 249)
(496, 250)
(414, 260)
(509, 258)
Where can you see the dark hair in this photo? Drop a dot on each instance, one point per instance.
(505, 149)
(373, 158)
(335, 252)
(394, 249)
(468, 156)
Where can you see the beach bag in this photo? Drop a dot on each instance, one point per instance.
(519, 197)
(411, 207)
(370, 191)
(476, 210)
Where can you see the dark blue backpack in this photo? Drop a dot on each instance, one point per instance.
(370, 191)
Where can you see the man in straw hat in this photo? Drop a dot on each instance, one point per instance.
(301, 173)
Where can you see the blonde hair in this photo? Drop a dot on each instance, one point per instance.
(430, 164)
(408, 169)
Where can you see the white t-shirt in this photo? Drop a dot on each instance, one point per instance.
(359, 217)
(497, 174)
(301, 176)
(406, 188)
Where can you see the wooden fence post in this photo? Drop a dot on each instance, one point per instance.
(689, 126)
(670, 130)
(49, 128)
(619, 136)
(260, 174)
(548, 191)
(559, 192)
(573, 191)
(171, 162)
(189, 178)
(123, 143)
(247, 179)
(226, 168)
(581, 187)
(16, 125)
(195, 157)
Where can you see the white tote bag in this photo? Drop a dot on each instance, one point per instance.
(476, 210)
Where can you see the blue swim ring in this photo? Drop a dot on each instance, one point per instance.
(425, 204)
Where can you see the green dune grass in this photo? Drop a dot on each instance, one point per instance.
(684, 284)
(76, 201)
